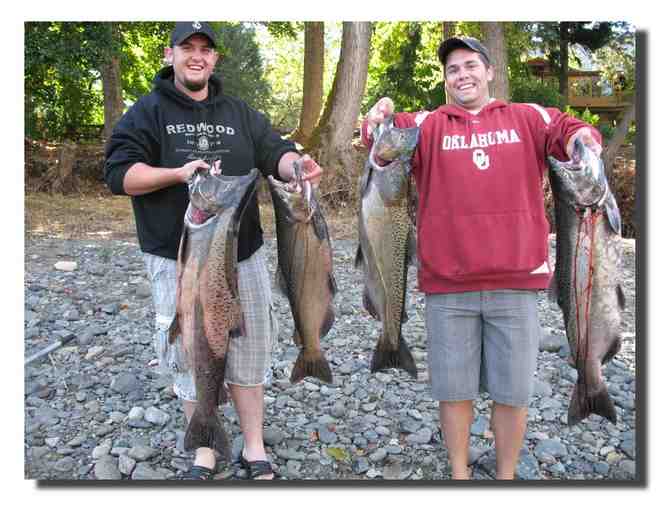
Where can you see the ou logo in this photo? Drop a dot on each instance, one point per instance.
(481, 159)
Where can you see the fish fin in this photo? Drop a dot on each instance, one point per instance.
(305, 367)
(582, 405)
(621, 296)
(328, 321)
(553, 289)
(281, 283)
(332, 284)
(412, 248)
(384, 358)
(368, 304)
(613, 350)
(297, 338)
(205, 430)
(174, 330)
(613, 214)
(239, 330)
(359, 257)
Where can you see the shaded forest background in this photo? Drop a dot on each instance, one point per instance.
(313, 80)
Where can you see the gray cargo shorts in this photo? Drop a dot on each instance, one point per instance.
(249, 357)
(483, 341)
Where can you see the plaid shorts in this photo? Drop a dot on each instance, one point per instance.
(248, 357)
(483, 341)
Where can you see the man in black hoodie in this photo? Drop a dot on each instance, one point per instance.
(184, 124)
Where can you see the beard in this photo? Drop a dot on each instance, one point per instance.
(195, 86)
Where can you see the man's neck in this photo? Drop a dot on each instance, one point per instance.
(198, 95)
(476, 111)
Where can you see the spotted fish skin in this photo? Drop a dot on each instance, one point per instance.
(387, 242)
(586, 282)
(208, 307)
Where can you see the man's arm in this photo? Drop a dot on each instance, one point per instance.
(142, 178)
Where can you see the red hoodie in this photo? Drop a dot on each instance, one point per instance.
(481, 222)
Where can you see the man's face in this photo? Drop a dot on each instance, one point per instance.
(193, 62)
(467, 78)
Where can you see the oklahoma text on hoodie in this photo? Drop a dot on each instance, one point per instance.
(481, 221)
(167, 129)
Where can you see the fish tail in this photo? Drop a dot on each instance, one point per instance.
(308, 366)
(385, 357)
(206, 431)
(583, 405)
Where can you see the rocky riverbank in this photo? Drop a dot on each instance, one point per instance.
(96, 409)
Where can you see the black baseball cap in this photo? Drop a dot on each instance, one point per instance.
(185, 29)
(454, 43)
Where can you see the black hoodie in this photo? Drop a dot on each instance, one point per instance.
(167, 129)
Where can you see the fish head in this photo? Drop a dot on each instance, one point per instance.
(582, 180)
(211, 193)
(294, 198)
(391, 143)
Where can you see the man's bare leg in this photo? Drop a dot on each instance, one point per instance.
(509, 425)
(456, 418)
(249, 403)
(205, 457)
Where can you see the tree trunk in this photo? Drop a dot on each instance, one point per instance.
(617, 139)
(112, 92)
(448, 31)
(313, 72)
(58, 179)
(564, 62)
(331, 143)
(495, 41)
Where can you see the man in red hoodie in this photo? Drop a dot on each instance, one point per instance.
(482, 244)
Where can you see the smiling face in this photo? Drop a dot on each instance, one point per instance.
(193, 62)
(467, 79)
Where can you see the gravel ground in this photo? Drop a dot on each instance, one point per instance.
(95, 409)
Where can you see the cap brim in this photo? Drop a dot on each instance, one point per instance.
(454, 43)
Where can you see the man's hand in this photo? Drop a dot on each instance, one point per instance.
(586, 136)
(185, 172)
(313, 171)
(383, 108)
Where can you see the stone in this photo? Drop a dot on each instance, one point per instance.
(144, 471)
(378, 455)
(65, 265)
(273, 436)
(126, 464)
(65, 465)
(552, 343)
(101, 451)
(156, 416)
(141, 452)
(125, 383)
(106, 469)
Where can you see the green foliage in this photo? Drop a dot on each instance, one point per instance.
(240, 66)
(528, 89)
(60, 77)
(63, 62)
(586, 116)
(283, 68)
(62, 70)
(404, 66)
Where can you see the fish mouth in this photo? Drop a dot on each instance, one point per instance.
(297, 197)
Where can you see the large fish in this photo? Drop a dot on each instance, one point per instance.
(586, 281)
(304, 273)
(208, 307)
(387, 241)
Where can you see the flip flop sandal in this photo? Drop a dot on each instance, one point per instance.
(256, 468)
(199, 473)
